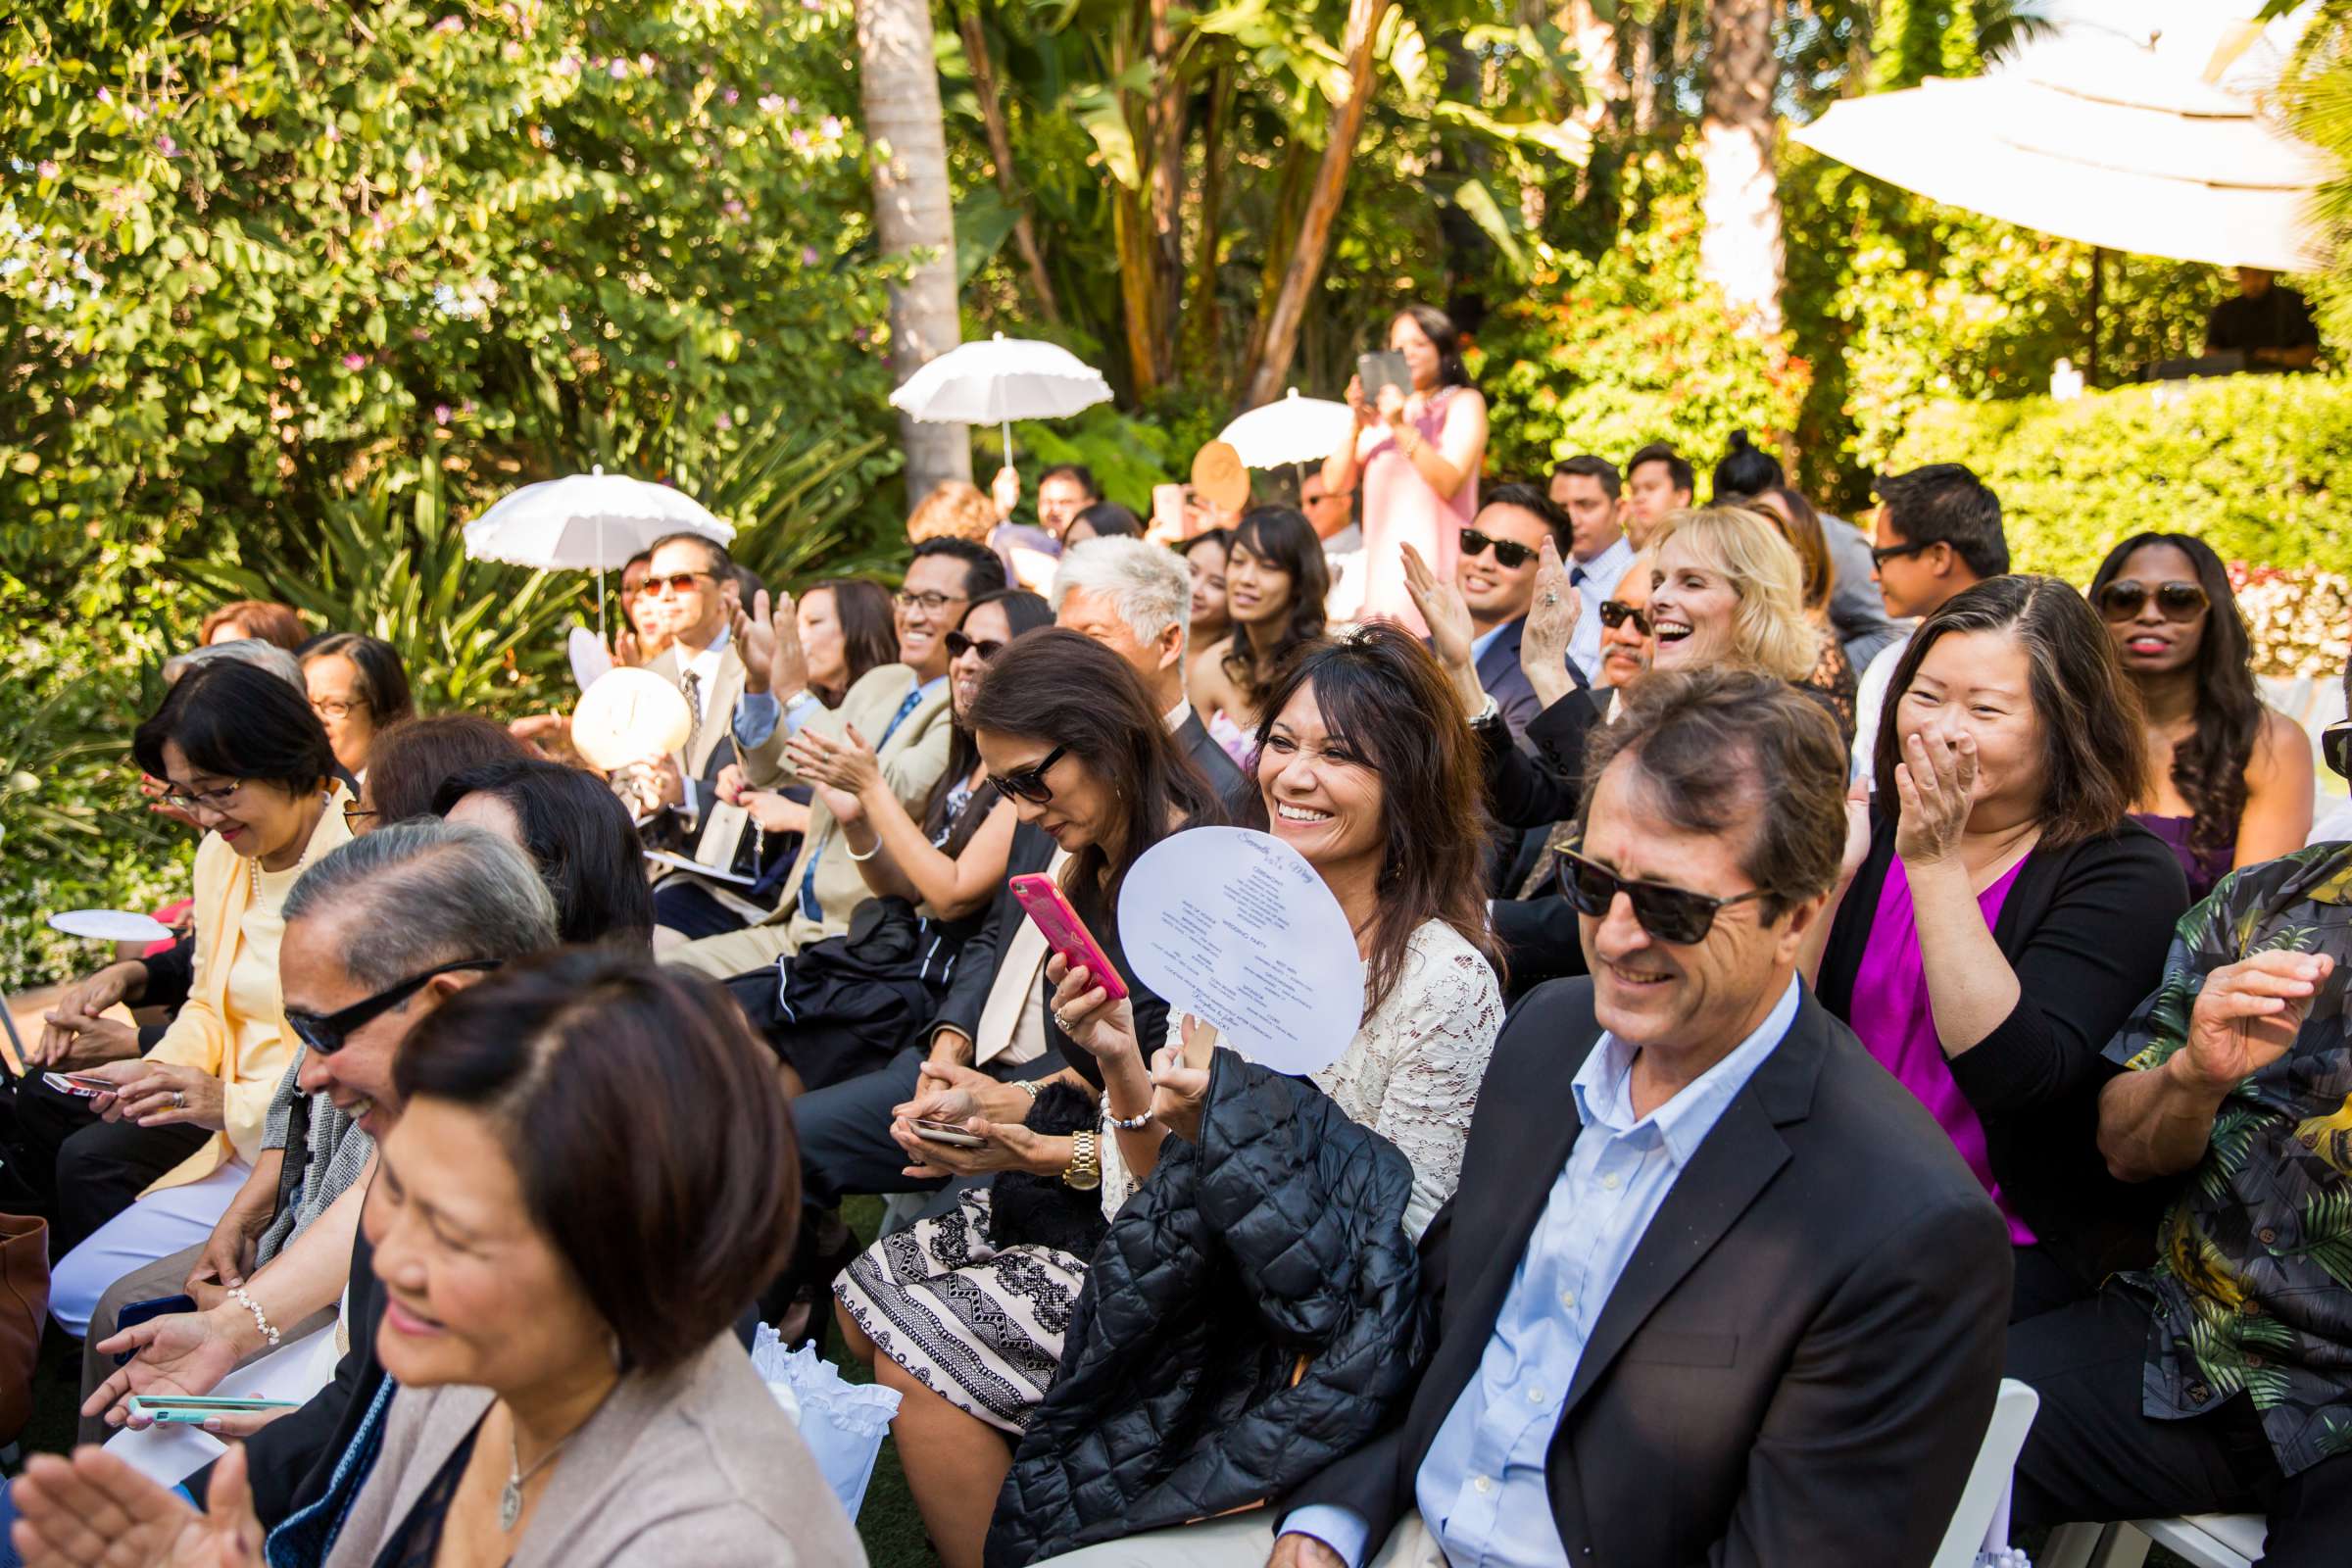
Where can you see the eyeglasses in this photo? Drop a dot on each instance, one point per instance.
(335, 708)
(2125, 597)
(677, 582)
(959, 644)
(2335, 748)
(1615, 612)
(928, 604)
(1881, 553)
(326, 1033)
(1506, 553)
(1670, 915)
(1029, 783)
(212, 801)
(353, 815)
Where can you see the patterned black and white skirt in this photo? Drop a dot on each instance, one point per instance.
(979, 1326)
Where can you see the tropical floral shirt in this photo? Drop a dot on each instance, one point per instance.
(2253, 1282)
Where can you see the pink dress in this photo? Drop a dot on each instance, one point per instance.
(1401, 509)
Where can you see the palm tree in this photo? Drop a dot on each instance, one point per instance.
(899, 84)
(1740, 249)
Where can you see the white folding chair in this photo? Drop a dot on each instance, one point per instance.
(1986, 1498)
(2200, 1539)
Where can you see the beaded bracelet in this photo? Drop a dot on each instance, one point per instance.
(259, 1320)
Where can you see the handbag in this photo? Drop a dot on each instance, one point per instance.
(23, 1309)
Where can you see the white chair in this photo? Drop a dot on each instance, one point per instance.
(2201, 1540)
(1985, 1497)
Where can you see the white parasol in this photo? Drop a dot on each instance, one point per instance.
(591, 521)
(999, 380)
(1291, 429)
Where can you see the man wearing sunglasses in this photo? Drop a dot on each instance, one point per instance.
(1496, 574)
(1135, 599)
(1703, 1242)
(902, 710)
(687, 581)
(1939, 533)
(378, 934)
(1596, 552)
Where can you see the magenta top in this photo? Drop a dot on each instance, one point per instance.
(1890, 1013)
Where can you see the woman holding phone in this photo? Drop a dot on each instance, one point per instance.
(1417, 450)
(1365, 768)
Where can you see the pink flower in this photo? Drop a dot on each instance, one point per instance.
(770, 103)
(733, 208)
(619, 69)
(450, 25)
(809, 256)
(166, 146)
(355, 362)
(730, 97)
(440, 414)
(830, 125)
(48, 169)
(725, 424)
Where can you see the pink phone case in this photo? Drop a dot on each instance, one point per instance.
(1064, 932)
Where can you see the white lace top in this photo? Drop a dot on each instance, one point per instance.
(1410, 1074)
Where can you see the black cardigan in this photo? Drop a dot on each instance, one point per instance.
(2087, 930)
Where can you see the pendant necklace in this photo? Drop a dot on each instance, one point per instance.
(510, 1501)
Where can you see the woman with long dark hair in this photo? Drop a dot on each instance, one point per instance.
(845, 629)
(2230, 781)
(1367, 769)
(1205, 553)
(1274, 584)
(575, 831)
(2004, 915)
(1418, 453)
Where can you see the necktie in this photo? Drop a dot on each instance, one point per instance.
(1575, 576)
(808, 903)
(692, 685)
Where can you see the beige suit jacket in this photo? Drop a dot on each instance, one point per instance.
(912, 760)
(718, 705)
(696, 1466)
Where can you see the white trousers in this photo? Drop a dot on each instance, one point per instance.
(155, 1226)
(1239, 1541)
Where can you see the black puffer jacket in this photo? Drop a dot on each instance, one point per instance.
(1254, 1314)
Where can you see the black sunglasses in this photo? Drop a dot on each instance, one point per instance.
(2335, 748)
(326, 1032)
(1506, 553)
(2125, 597)
(1029, 783)
(1670, 915)
(959, 644)
(1615, 612)
(1880, 555)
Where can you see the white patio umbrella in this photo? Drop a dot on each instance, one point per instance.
(591, 521)
(1291, 429)
(999, 380)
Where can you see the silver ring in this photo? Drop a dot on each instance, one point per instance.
(1061, 1021)
(1551, 599)
(179, 1100)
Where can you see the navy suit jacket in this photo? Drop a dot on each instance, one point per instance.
(1499, 674)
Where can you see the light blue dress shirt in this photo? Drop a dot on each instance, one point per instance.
(1594, 580)
(756, 716)
(1481, 1488)
(1484, 641)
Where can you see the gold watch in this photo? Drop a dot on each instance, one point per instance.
(1085, 1170)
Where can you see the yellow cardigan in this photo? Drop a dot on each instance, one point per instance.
(201, 1037)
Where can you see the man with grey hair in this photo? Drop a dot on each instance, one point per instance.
(377, 935)
(1134, 598)
(267, 657)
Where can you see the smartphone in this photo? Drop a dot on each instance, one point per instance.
(1066, 933)
(140, 1311)
(1384, 369)
(195, 1412)
(74, 1083)
(946, 1132)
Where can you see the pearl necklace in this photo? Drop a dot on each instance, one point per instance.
(252, 867)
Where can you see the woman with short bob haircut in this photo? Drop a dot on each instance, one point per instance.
(2005, 915)
(243, 754)
(592, 1176)
(575, 831)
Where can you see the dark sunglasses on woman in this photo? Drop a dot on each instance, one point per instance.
(2123, 600)
(1029, 783)
(325, 1032)
(1670, 915)
(959, 644)
(1506, 553)
(1615, 612)
(2335, 748)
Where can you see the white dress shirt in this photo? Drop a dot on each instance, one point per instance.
(1594, 580)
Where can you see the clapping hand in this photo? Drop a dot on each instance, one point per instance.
(768, 642)
(1935, 785)
(847, 764)
(1447, 617)
(95, 1511)
(2248, 1013)
(1550, 624)
(1098, 1026)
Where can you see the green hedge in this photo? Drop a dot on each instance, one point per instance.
(2253, 466)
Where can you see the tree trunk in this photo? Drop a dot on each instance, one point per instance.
(1595, 41)
(1305, 266)
(1165, 116)
(899, 86)
(1200, 320)
(1740, 249)
(1645, 73)
(1281, 235)
(1000, 151)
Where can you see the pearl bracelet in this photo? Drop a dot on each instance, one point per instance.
(1130, 1124)
(261, 1320)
